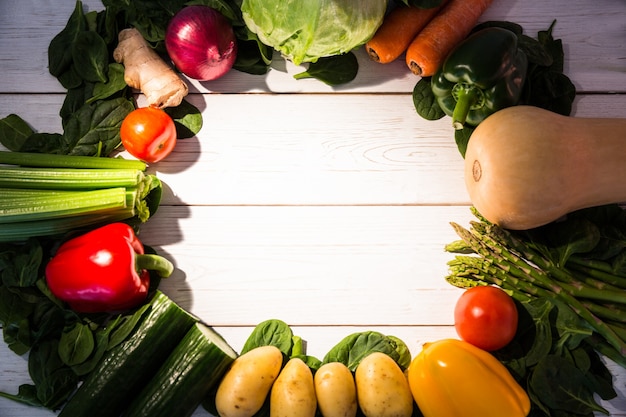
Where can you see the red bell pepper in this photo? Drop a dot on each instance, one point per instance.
(104, 270)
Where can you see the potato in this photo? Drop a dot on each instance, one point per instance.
(247, 383)
(293, 392)
(382, 388)
(335, 390)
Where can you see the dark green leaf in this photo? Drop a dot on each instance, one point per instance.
(47, 319)
(75, 99)
(70, 78)
(94, 130)
(554, 91)
(599, 377)
(424, 101)
(187, 118)
(23, 269)
(512, 26)
(541, 311)
(120, 329)
(43, 143)
(553, 46)
(270, 333)
(570, 329)
(353, 348)
(17, 336)
(462, 138)
(13, 132)
(12, 307)
(253, 57)
(53, 380)
(107, 25)
(60, 49)
(333, 70)
(101, 339)
(404, 354)
(91, 57)
(570, 393)
(26, 394)
(77, 344)
(114, 84)
(535, 51)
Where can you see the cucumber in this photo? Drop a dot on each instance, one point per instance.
(197, 365)
(127, 367)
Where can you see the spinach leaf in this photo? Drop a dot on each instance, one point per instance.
(333, 70)
(353, 348)
(94, 129)
(271, 332)
(120, 328)
(187, 119)
(13, 132)
(90, 56)
(552, 348)
(60, 55)
(546, 85)
(22, 270)
(26, 394)
(253, 57)
(42, 142)
(404, 354)
(424, 100)
(114, 84)
(462, 137)
(76, 344)
(54, 382)
(570, 393)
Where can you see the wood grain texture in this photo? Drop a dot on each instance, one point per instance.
(324, 207)
(593, 35)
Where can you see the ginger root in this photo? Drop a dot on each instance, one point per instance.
(146, 71)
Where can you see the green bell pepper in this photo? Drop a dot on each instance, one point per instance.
(483, 74)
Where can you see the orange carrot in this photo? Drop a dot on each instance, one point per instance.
(447, 29)
(399, 28)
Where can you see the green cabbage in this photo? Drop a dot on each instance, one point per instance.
(306, 30)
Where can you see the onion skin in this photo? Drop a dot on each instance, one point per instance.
(201, 43)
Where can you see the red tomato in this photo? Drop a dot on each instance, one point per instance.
(148, 134)
(486, 317)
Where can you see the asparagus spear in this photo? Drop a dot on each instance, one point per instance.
(521, 270)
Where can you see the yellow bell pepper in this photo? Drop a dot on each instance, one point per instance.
(452, 378)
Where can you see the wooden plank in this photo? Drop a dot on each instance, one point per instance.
(364, 265)
(261, 149)
(594, 53)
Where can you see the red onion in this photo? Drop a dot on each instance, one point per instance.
(201, 42)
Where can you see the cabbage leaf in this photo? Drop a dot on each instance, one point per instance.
(306, 30)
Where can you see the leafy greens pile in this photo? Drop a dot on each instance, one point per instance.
(97, 98)
(569, 278)
(62, 346)
(546, 85)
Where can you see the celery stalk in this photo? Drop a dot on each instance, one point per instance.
(15, 232)
(67, 161)
(37, 208)
(43, 194)
(68, 178)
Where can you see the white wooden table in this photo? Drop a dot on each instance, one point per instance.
(326, 208)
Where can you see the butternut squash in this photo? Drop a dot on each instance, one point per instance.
(526, 167)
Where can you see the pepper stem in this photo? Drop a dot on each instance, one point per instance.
(156, 263)
(466, 97)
